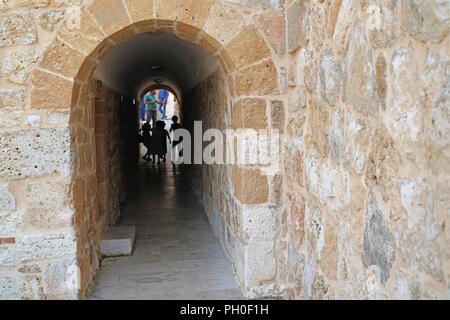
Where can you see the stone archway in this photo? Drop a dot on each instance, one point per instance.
(247, 222)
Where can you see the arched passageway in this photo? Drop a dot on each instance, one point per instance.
(202, 61)
(176, 254)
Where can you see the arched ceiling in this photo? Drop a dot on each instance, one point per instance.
(128, 67)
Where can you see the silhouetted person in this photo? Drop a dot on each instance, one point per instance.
(151, 102)
(159, 139)
(147, 140)
(175, 125)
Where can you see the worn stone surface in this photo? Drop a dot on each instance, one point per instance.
(49, 19)
(249, 113)
(260, 79)
(8, 290)
(33, 247)
(307, 70)
(17, 28)
(33, 120)
(336, 136)
(277, 115)
(382, 22)
(61, 59)
(118, 241)
(247, 47)
(7, 199)
(6, 257)
(330, 77)
(426, 20)
(381, 74)
(22, 159)
(250, 187)
(294, 25)
(379, 245)
(57, 277)
(17, 63)
(274, 29)
(50, 91)
(10, 223)
(218, 24)
(49, 205)
(360, 88)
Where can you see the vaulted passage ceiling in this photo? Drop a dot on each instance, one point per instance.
(133, 65)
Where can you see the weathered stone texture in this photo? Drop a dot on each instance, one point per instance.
(218, 24)
(294, 25)
(260, 79)
(10, 223)
(6, 257)
(17, 63)
(49, 205)
(258, 4)
(8, 290)
(7, 199)
(426, 20)
(17, 28)
(379, 245)
(307, 70)
(382, 22)
(273, 26)
(250, 187)
(49, 19)
(57, 277)
(360, 89)
(45, 246)
(330, 77)
(22, 157)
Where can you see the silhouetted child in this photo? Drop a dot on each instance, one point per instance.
(159, 137)
(175, 125)
(147, 140)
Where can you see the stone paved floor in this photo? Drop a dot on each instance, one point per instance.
(176, 255)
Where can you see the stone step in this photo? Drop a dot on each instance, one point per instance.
(118, 241)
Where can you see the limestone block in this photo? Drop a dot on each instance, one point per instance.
(62, 279)
(12, 98)
(140, 10)
(258, 80)
(10, 223)
(295, 16)
(330, 77)
(17, 28)
(249, 113)
(260, 223)
(294, 162)
(30, 287)
(35, 152)
(277, 115)
(218, 24)
(357, 143)
(195, 13)
(426, 20)
(33, 247)
(250, 187)
(379, 245)
(50, 91)
(166, 9)
(337, 137)
(110, 15)
(6, 257)
(319, 126)
(247, 47)
(345, 18)
(7, 199)
(33, 120)
(360, 88)
(61, 59)
(86, 38)
(381, 76)
(273, 26)
(307, 70)
(295, 263)
(49, 205)
(49, 19)
(8, 290)
(10, 117)
(260, 268)
(382, 22)
(58, 117)
(118, 241)
(17, 65)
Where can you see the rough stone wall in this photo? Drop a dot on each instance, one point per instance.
(366, 207)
